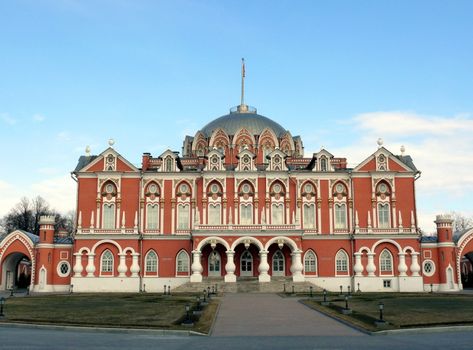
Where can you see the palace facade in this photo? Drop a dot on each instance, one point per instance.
(241, 201)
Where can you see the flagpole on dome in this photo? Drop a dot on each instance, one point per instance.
(242, 107)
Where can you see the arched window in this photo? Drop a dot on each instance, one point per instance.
(183, 217)
(385, 261)
(109, 216)
(309, 216)
(106, 261)
(277, 214)
(152, 216)
(246, 214)
(383, 215)
(214, 214)
(168, 164)
(341, 261)
(214, 263)
(182, 262)
(151, 262)
(323, 164)
(340, 216)
(310, 262)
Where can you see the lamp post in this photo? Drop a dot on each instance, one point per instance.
(311, 294)
(205, 299)
(431, 288)
(358, 288)
(381, 308)
(71, 289)
(349, 292)
(11, 291)
(293, 289)
(188, 318)
(346, 302)
(164, 290)
(325, 295)
(2, 302)
(169, 290)
(341, 290)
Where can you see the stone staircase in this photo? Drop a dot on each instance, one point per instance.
(248, 285)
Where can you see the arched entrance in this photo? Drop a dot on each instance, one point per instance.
(464, 260)
(214, 264)
(16, 271)
(466, 269)
(246, 264)
(278, 264)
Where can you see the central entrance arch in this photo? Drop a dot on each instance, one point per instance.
(246, 264)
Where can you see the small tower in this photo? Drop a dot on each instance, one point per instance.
(446, 253)
(45, 255)
(46, 229)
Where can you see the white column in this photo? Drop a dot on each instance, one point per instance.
(358, 268)
(296, 267)
(79, 223)
(90, 265)
(196, 267)
(230, 267)
(78, 268)
(402, 267)
(122, 265)
(415, 267)
(371, 267)
(263, 267)
(135, 267)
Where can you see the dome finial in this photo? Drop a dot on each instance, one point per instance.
(242, 107)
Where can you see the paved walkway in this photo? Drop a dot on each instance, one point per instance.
(272, 315)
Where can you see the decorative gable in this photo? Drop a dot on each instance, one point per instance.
(215, 161)
(383, 160)
(246, 160)
(324, 161)
(108, 160)
(277, 161)
(168, 162)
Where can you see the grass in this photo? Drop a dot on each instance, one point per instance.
(401, 310)
(109, 310)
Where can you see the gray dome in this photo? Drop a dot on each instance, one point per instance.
(234, 121)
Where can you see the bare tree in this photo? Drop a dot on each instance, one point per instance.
(461, 222)
(26, 214)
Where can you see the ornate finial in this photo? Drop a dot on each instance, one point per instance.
(87, 150)
(111, 142)
(403, 149)
(380, 142)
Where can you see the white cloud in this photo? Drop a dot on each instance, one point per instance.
(59, 192)
(38, 118)
(7, 118)
(63, 136)
(441, 147)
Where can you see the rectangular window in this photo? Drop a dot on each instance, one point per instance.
(246, 214)
(309, 216)
(387, 283)
(183, 217)
(340, 216)
(109, 216)
(277, 214)
(214, 214)
(152, 217)
(383, 215)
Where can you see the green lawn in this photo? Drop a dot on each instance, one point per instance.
(401, 310)
(109, 310)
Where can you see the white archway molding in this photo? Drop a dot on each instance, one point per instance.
(364, 249)
(28, 244)
(285, 240)
(409, 248)
(210, 240)
(129, 249)
(104, 241)
(466, 238)
(83, 249)
(250, 240)
(373, 248)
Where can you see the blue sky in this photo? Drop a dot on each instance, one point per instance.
(146, 73)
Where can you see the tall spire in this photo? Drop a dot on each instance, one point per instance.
(242, 107)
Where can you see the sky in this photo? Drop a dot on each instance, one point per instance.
(340, 74)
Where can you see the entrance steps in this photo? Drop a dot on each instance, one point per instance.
(248, 285)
